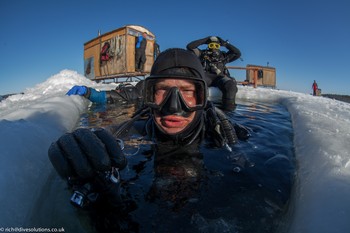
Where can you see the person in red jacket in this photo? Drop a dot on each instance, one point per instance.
(314, 88)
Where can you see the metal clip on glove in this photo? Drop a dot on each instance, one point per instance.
(89, 161)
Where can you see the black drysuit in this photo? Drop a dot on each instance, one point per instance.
(214, 62)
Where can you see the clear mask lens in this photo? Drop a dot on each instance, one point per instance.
(191, 93)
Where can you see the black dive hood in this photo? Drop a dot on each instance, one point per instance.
(179, 64)
(169, 63)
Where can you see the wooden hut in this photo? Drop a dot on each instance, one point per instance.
(261, 75)
(119, 61)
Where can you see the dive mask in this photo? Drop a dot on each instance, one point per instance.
(213, 45)
(177, 96)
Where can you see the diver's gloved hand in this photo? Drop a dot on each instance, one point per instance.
(207, 40)
(89, 161)
(222, 42)
(78, 90)
(89, 93)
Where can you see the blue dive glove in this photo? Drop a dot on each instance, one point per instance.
(90, 93)
(78, 90)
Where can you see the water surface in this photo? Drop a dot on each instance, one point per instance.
(210, 190)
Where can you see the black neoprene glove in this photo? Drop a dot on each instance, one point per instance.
(89, 161)
(222, 42)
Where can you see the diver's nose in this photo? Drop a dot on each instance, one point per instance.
(173, 104)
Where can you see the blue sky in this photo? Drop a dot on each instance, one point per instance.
(304, 40)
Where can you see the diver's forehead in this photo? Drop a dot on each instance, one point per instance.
(174, 82)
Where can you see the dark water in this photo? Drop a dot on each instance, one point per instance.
(211, 190)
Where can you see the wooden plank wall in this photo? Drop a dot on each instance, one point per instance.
(123, 61)
(269, 75)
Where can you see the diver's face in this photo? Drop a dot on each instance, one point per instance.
(174, 123)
